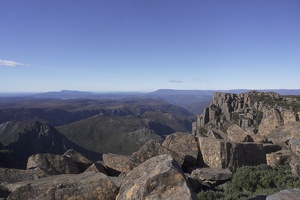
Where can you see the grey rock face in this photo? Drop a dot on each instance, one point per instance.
(158, 178)
(53, 164)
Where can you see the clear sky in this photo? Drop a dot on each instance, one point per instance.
(145, 45)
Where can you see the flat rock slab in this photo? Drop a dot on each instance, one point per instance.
(212, 174)
(88, 185)
(159, 177)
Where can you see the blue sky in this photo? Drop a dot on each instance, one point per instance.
(145, 45)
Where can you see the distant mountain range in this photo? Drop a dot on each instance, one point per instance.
(192, 100)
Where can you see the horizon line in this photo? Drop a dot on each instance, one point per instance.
(134, 91)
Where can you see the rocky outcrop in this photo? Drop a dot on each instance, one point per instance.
(53, 164)
(184, 144)
(116, 164)
(88, 185)
(261, 116)
(219, 153)
(158, 178)
(244, 109)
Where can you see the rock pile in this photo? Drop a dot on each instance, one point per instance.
(152, 172)
(178, 167)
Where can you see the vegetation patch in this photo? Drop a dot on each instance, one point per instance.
(251, 181)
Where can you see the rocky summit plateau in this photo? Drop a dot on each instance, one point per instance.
(234, 132)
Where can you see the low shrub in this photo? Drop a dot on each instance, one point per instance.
(250, 181)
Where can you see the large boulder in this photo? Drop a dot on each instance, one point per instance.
(184, 144)
(116, 164)
(88, 185)
(81, 162)
(295, 156)
(158, 178)
(53, 164)
(152, 149)
(218, 153)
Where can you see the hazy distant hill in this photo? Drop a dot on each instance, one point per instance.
(65, 94)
